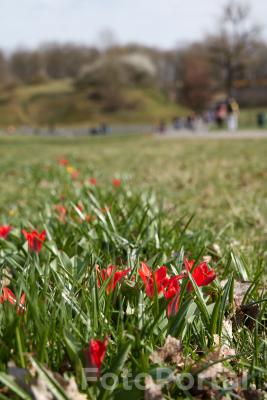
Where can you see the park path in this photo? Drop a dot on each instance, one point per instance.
(185, 134)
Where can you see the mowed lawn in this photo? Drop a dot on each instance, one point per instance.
(222, 183)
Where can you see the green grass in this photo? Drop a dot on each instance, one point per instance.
(51, 87)
(248, 116)
(149, 218)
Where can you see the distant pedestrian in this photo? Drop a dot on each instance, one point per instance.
(232, 114)
(176, 123)
(261, 120)
(220, 114)
(103, 128)
(191, 121)
(93, 131)
(208, 117)
(162, 126)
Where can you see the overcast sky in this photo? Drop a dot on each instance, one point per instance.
(163, 23)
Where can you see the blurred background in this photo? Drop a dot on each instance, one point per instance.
(98, 64)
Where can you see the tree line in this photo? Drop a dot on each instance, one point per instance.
(191, 74)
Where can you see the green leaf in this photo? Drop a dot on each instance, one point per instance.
(118, 363)
(204, 312)
(226, 295)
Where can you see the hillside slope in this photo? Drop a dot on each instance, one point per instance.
(59, 103)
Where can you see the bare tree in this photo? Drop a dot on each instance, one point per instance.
(232, 47)
(3, 69)
(65, 60)
(26, 66)
(197, 84)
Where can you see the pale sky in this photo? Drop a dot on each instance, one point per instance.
(162, 23)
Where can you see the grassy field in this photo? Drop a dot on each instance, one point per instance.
(221, 182)
(199, 199)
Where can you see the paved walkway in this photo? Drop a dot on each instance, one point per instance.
(185, 134)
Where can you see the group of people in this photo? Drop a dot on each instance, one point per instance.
(102, 129)
(224, 113)
(227, 112)
(190, 122)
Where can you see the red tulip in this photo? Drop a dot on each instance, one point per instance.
(75, 175)
(95, 355)
(21, 306)
(116, 182)
(92, 181)
(201, 274)
(159, 279)
(151, 279)
(63, 161)
(172, 287)
(9, 296)
(112, 275)
(35, 240)
(172, 291)
(62, 211)
(4, 231)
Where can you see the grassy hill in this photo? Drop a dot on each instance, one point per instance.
(59, 103)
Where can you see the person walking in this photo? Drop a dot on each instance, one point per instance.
(232, 114)
(220, 114)
(261, 119)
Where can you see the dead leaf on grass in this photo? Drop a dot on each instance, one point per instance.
(240, 289)
(6, 277)
(38, 388)
(246, 315)
(152, 390)
(172, 351)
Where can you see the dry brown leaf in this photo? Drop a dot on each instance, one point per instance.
(253, 394)
(152, 390)
(212, 367)
(37, 387)
(40, 390)
(70, 387)
(171, 351)
(227, 351)
(207, 259)
(6, 277)
(216, 248)
(227, 329)
(246, 315)
(216, 340)
(213, 371)
(240, 289)
(224, 349)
